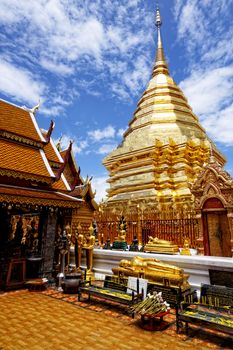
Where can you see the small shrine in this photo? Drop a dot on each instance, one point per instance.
(213, 192)
(120, 241)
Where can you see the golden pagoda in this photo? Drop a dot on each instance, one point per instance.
(164, 148)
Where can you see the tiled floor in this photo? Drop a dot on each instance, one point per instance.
(54, 321)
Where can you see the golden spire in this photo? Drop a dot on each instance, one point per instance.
(160, 61)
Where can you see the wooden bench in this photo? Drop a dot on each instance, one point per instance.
(110, 289)
(214, 310)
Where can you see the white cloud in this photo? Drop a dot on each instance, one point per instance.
(136, 79)
(78, 145)
(52, 111)
(106, 148)
(191, 22)
(100, 186)
(71, 38)
(208, 91)
(120, 91)
(220, 126)
(56, 68)
(207, 43)
(210, 95)
(120, 132)
(19, 83)
(206, 38)
(106, 133)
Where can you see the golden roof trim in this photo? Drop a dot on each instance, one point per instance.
(26, 176)
(37, 201)
(18, 138)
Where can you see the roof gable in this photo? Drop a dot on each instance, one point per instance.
(18, 124)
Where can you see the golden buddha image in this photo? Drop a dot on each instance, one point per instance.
(153, 270)
(161, 246)
(88, 246)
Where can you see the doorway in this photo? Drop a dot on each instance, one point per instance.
(216, 229)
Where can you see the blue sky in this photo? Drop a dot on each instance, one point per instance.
(89, 62)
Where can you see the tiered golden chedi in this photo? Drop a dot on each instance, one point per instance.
(164, 147)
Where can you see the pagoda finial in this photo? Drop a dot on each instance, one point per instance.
(160, 61)
(158, 21)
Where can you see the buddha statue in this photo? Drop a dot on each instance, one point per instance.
(120, 240)
(185, 250)
(153, 270)
(78, 248)
(158, 245)
(89, 242)
(122, 234)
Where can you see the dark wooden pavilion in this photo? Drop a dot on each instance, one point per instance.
(37, 198)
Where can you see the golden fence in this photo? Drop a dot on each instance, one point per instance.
(170, 225)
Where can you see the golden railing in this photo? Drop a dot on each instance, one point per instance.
(170, 225)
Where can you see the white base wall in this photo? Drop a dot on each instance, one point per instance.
(196, 266)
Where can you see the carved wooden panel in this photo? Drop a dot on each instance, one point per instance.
(213, 203)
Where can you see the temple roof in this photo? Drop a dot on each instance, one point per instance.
(51, 152)
(85, 192)
(19, 124)
(30, 159)
(61, 184)
(19, 160)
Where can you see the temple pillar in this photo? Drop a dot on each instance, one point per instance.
(200, 239)
(139, 225)
(48, 240)
(230, 221)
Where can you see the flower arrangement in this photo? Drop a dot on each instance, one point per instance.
(153, 304)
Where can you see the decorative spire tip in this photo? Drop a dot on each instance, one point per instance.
(158, 21)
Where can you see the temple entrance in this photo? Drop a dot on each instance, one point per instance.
(216, 229)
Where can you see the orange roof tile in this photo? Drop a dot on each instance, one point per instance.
(51, 153)
(17, 121)
(22, 159)
(59, 185)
